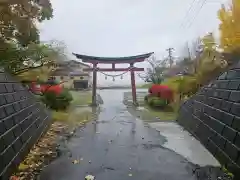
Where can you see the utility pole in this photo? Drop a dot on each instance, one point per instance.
(189, 53)
(199, 51)
(170, 50)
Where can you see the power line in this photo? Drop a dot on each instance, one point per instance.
(188, 23)
(194, 18)
(189, 10)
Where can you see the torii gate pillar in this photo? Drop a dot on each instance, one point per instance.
(94, 85)
(134, 93)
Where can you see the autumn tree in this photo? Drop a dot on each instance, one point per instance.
(205, 63)
(19, 18)
(38, 55)
(208, 43)
(18, 30)
(230, 27)
(210, 61)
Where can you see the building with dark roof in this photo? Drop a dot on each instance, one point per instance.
(72, 75)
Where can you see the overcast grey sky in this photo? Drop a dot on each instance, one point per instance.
(128, 27)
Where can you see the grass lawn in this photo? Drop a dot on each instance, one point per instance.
(165, 114)
(81, 98)
(61, 116)
(145, 86)
(75, 114)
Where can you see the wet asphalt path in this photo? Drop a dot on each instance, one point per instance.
(117, 146)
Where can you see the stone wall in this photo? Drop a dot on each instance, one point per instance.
(213, 116)
(22, 121)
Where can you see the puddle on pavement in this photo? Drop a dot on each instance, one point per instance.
(122, 141)
(142, 113)
(152, 146)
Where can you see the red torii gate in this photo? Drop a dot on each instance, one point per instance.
(113, 60)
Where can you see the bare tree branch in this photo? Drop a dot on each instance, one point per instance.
(155, 70)
(27, 69)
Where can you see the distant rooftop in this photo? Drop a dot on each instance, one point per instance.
(72, 62)
(68, 72)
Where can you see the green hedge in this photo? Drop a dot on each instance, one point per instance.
(57, 102)
(156, 101)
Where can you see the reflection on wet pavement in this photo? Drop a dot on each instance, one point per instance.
(118, 146)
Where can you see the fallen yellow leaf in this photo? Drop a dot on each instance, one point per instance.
(75, 161)
(22, 166)
(89, 177)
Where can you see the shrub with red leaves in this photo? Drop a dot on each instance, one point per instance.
(161, 91)
(57, 89)
(37, 88)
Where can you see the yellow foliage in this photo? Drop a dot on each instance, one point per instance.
(172, 83)
(42, 73)
(22, 167)
(209, 42)
(230, 26)
(184, 85)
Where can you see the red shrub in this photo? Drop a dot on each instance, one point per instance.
(162, 91)
(37, 88)
(57, 89)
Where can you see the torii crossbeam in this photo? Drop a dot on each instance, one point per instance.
(113, 60)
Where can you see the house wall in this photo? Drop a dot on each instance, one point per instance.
(69, 80)
(213, 116)
(75, 67)
(90, 80)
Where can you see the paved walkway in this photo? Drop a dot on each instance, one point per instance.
(118, 146)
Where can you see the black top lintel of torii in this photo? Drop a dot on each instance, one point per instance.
(110, 60)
